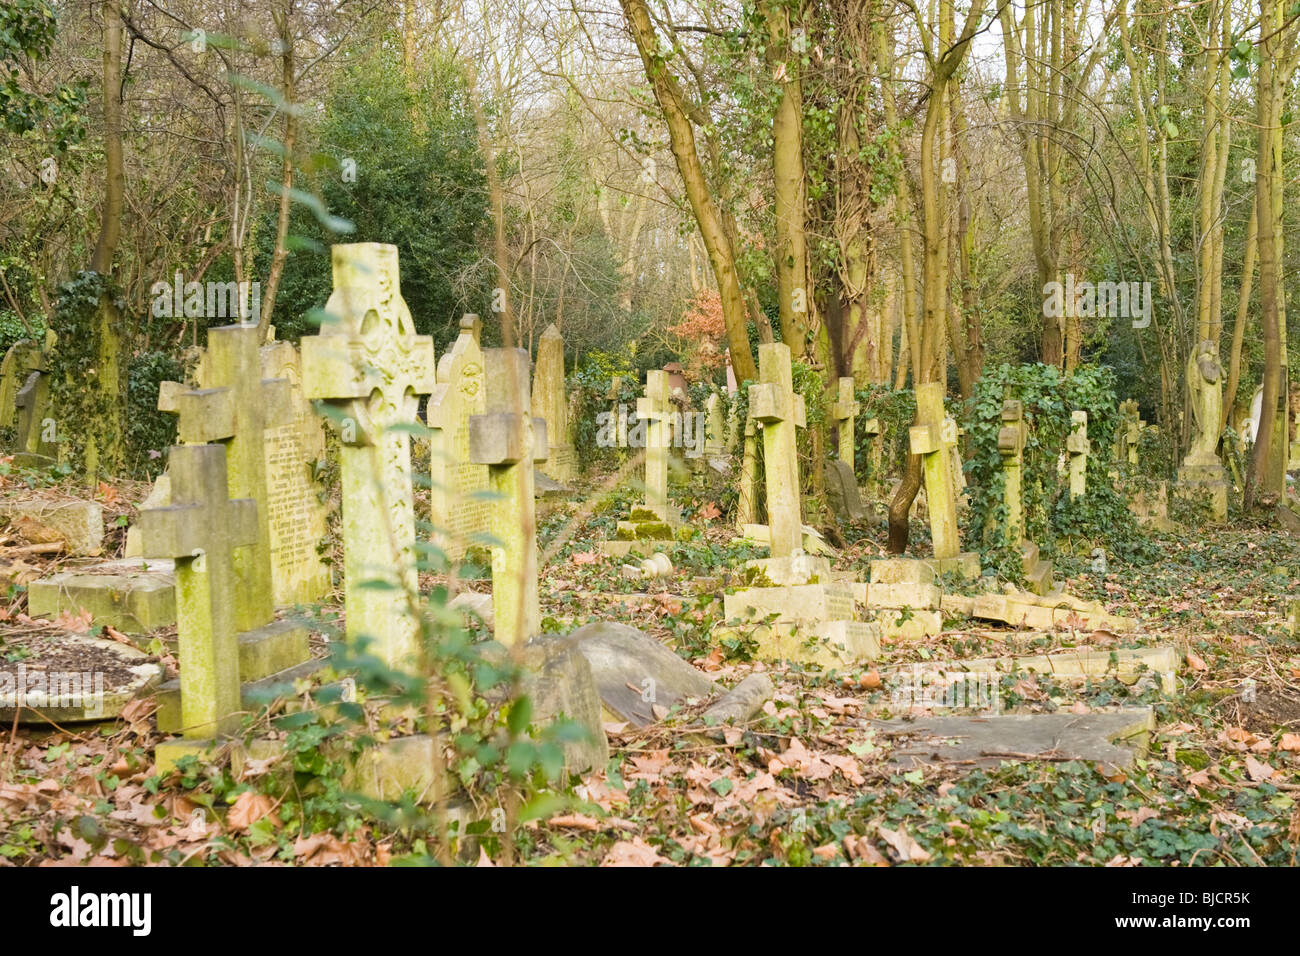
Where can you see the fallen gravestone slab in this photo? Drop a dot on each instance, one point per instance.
(741, 702)
(842, 492)
(77, 525)
(1110, 737)
(636, 675)
(73, 678)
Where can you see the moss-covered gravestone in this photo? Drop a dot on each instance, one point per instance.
(1011, 445)
(508, 440)
(551, 405)
(774, 403)
(236, 409)
(200, 531)
(653, 521)
(458, 505)
(371, 367)
(747, 496)
(843, 413)
(1078, 447)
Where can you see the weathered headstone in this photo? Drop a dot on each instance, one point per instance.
(1129, 434)
(715, 427)
(655, 408)
(38, 443)
(1011, 446)
(843, 413)
(508, 440)
(236, 409)
(930, 438)
(774, 402)
(371, 367)
(842, 491)
(747, 499)
(550, 404)
(1078, 447)
(200, 531)
(294, 509)
(458, 505)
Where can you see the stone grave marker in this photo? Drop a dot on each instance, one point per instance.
(38, 442)
(200, 532)
(842, 491)
(1011, 446)
(508, 440)
(371, 367)
(551, 405)
(1201, 471)
(1078, 447)
(843, 413)
(294, 510)
(747, 500)
(774, 402)
(654, 520)
(458, 505)
(930, 438)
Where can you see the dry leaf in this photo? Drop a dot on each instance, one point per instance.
(248, 808)
(908, 850)
(1258, 770)
(1194, 661)
(634, 852)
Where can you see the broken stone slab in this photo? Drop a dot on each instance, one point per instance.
(838, 644)
(135, 596)
(78, 524)
(791, 570)
(1112, 738)
(965, 565)
(903, 594)
(544, 486)
(887, 571)
(1127, 664)
(74, 678)
(1045, 614)
(806, 602)
(621, 549)
(901, 625)
(742, 703)
(635, 675)
(472, 602)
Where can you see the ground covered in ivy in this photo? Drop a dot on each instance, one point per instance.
(807, 783)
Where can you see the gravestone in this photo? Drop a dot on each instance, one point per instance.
(774, 402)
(1078, 447)
(1129, 434)
(747, 499)
(843, 413)
(38, 444)
(370, 367)
(842, 492)
(508, 440)
(200, 532)
(654, 520)
(458, 505)
(715, 428)
(931, 438)
(875, 430)
(551, 405)
(23, 357)
(1011, 446)
(294, 509)
(236, 408)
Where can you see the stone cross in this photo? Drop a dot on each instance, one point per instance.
(508, 440)
(1011, 445)
(655, 409)
(843, 412)
(774, 402)
(1078, 447)
(1132, 429)
(371, 367)
(931, 438)
(550, 403)
(200, 531)
(872, 428)
(458, 506)
(237, 410)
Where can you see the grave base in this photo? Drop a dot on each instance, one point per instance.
(843, 644)
(133, 596)
(1195, 479)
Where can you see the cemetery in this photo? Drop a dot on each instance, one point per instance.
(463, 545)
